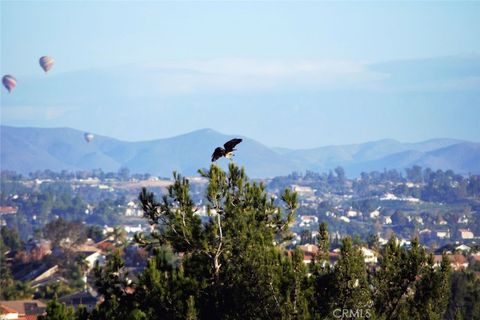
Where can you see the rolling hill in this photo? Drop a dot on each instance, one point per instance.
(29, 149)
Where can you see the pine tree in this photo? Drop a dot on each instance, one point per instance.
(350, 285)
(430, 300)
(465, 296)
(191, 311)
(322, 277)
(119, 236)
(390, 286)
(82, 313)
(396, 277)
(58, 311)
(323, 244)
(234, 265)
(164, 290)
(112, 284)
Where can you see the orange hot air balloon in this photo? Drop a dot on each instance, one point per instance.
(9, 82)
(46, 63)
(88, 137)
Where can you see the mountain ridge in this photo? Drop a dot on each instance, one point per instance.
(27, 149)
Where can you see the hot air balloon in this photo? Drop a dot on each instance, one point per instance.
(46, 63)
(88, 137)
(9, 82)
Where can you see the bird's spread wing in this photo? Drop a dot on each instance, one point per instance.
(218, 153)
(229, 145)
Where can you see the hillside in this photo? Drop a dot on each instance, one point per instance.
(28, 149)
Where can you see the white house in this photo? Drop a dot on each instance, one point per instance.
(443, 234)
(466, 234)
(133, 229)
(369, 255)
(463, 219)
(388, 196)
(132, 209)
(418, 219)
(387, 220)
(463, 247)
(93, 257)
(375, 213)
(303, 191)
(425, 231)
(307, 220)
(352, 213)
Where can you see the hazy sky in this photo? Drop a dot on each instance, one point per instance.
(292, 74)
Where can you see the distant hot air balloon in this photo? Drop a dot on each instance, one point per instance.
(9, 82)
(88, 137)
(46, 63)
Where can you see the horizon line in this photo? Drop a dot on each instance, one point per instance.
(243, 136)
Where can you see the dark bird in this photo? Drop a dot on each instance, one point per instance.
(226, 151)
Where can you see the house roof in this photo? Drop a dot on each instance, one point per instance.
(6, 310)
(84, 248)
(309, 248)
(51, 279)
(8, 210)
(453, 258)
(26, 307)
(105, 245)
(82, 297)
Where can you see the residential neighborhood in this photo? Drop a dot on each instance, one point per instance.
(55, 243)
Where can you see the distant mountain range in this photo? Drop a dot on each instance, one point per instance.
(29, 149)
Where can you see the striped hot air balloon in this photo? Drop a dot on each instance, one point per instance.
(46, 63)
(9, 82)
(88, 136)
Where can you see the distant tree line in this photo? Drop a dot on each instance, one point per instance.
(429, 185)
(123, 174)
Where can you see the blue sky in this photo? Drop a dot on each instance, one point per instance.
(292, 74)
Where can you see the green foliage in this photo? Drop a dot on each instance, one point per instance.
(237, 264)
(465, 296)
(233, 260)
(350, 286)
(58, 311)
(50, 291)
(65, 233)
(323, 243)
(105, 213)
(82, 313)
(164, 290)
(95, 232)
(397, 274)
(119, 236)
(373, 241)
(11, 289)
(408, 285)
(111, 281)
(432, 290)
(10, 240)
